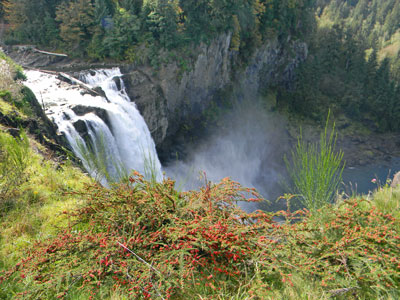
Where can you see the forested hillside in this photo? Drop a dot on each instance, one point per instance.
(353, 66)
(134, 29)
(375, 21)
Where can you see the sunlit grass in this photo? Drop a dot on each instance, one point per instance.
(38, 209)
(387, 200)
(391, 47)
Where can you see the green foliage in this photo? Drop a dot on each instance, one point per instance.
(316, 170)
(14, 160)
(337, 76)
(32, 21)
(144, 240)
(136, 229)
(99, 164)
(374, 21)
(6, 95)
(106, 28)
(235, 43)
(18, 71)
(76, 23)
(125, 32)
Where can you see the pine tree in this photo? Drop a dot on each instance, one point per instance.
(77, 23)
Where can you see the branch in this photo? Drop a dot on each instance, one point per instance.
(49, 53)
(139, 258)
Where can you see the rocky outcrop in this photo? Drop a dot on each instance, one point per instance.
(273, 63)
(150, 101)
(81, 126)
(172, 97)
(40, 127)
(81, 110)
(396, 180)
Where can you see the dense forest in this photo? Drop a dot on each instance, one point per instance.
(133, 30)
(375, 21)
(353, 66)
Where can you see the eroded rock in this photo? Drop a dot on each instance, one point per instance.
(81, 110)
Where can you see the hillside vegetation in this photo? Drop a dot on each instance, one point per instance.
(352, 67)
(64, 236)
(135, 30)
(34, 182)
(376, 22)
(146, 240)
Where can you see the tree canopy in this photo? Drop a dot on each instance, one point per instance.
(353, 66)
(113, 28)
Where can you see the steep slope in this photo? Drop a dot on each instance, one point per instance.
(36, 175)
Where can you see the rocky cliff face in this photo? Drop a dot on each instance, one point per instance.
(169, 98)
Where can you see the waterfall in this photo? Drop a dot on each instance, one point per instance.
(110, 128)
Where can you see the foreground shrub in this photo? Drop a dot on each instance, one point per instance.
(316, 170)
(146, 240)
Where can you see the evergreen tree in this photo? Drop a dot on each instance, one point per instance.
(77, 24)
(30, 20)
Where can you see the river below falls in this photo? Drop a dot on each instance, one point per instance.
(359, 179)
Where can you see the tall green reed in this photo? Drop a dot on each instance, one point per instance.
(316, 169)
(14, 159)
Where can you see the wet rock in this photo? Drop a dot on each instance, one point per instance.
(117, 81)
(100, 91)
(150, 101)
(82, 110)
(82, 128)
(66, 116)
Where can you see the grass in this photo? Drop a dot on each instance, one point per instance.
(35, 188)
(99, 164)
(8, 71)
(387, 200)
(316, 169)
(14, 160)
(37, 207)
(391, 48)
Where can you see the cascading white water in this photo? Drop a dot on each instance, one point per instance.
(124, 142)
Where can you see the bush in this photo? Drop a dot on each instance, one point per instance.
(316, 170)
(146, 240)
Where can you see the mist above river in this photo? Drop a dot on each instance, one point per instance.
(248, 146)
